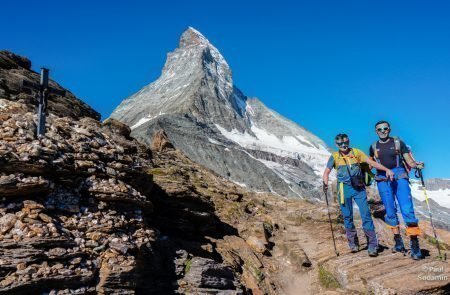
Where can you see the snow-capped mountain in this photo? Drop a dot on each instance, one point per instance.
(208, 118)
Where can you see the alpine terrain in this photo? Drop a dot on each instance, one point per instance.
(87, 209)
(212, 122)
(208, 118)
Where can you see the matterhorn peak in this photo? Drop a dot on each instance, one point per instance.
(192, 37)
(209, 119)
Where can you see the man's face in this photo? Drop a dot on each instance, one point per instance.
(383, 130)
(343, 144)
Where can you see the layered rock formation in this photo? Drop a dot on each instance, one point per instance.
(71, 217)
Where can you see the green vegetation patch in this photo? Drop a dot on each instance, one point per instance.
(327, 279)
(156, 171)
(187, 266)
(442, 245)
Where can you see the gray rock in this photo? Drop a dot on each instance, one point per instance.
(206, 273)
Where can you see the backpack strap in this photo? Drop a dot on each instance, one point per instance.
(398, 153)
(375, 152)
(347, 164)
(336, 158)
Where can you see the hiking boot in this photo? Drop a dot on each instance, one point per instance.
(373, 252)
(372, 242)
(416, 254)
(399, 246)
(352, 238)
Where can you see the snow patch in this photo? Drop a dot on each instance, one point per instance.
(442, 196)
(297, 147)
(238, 183)
(213, 141)
(140, 122)
(145, 120)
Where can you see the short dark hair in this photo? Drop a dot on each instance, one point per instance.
(340, 136)
(382, 122)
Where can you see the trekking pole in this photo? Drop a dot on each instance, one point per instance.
(419, 173)
(325, 191)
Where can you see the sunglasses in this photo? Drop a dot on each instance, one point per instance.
(382, 129)
(342, 143)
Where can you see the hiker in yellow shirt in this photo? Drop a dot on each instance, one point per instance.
(351, 186)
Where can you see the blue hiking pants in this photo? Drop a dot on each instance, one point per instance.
(397, 189)
(360, 198)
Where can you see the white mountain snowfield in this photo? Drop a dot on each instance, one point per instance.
(286, 146)
(440, 196)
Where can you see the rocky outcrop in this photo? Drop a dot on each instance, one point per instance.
(160, 142)
(15, 69)
(434, 184)
(71, 215)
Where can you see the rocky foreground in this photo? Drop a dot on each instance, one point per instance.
(89, 210)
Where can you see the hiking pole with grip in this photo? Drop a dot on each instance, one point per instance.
(420, 175)
(325, 191)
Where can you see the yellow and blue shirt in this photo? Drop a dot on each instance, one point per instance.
(338, 161)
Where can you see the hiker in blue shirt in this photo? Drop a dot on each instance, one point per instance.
(394, 154)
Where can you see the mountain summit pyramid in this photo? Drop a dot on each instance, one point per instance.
(209, 119)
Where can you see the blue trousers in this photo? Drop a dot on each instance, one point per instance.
(397, 189)
(360, 198)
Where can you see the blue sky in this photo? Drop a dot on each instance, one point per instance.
(331, 66)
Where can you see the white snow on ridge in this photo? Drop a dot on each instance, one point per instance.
(239, 183)
(140, 122)
(286, 146)
(213, 141)
(442, 196)
(145, 120)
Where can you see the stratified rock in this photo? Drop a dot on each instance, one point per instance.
(160, 142)
(70, 200)
(205, 276)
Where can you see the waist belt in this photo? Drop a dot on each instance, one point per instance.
(397, 177)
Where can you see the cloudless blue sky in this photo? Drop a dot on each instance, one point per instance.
(331, 66)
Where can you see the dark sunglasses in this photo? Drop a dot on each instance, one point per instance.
(382, 129)
(342, 143)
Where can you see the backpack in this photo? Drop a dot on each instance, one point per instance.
(367, 174)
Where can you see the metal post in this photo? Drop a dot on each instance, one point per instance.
(43, 96)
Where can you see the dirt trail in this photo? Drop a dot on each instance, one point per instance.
(305, 227)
